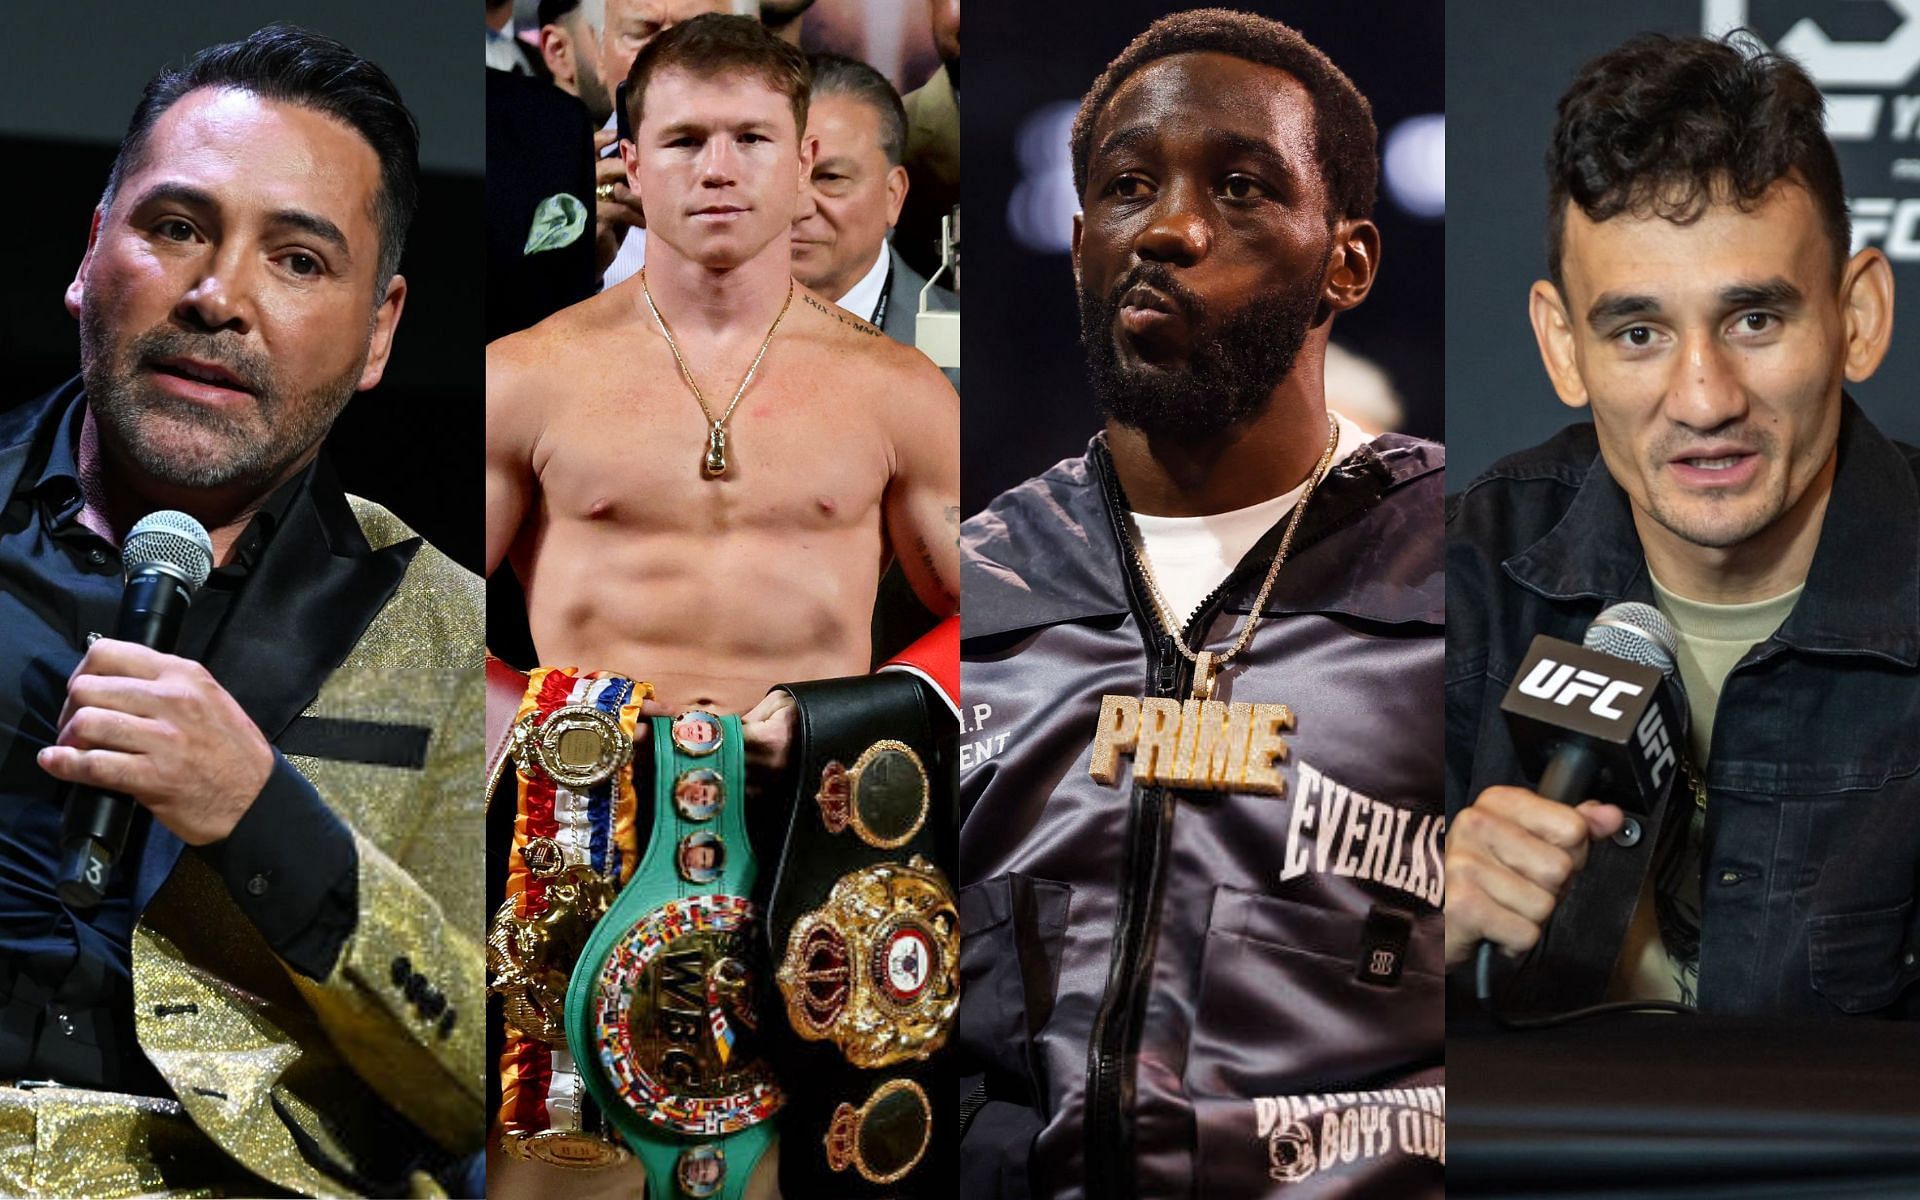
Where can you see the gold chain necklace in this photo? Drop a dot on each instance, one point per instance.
(715, 463)
(1205, 662)
(1202, 743)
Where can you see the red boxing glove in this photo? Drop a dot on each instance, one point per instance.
(936, 659)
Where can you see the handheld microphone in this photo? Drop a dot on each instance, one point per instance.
(1594, 721)
(168, 556)
(1587, 720)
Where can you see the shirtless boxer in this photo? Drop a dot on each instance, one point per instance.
(842, 452)
(655, 535)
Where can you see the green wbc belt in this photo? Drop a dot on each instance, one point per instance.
(660, 1010)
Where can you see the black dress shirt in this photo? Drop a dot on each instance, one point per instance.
(65, 980)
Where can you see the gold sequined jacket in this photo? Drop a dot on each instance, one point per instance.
(354, 628)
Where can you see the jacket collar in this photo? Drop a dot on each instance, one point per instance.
(1863, 586)
(1050, 551)
(313, 592)
(906, 281)
(39, 452)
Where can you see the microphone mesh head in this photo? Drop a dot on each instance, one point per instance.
(173, 542)
(1635, 632)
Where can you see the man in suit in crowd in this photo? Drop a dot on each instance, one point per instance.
(506, 52)
(539, 202)
(853, 199)
(570, 46)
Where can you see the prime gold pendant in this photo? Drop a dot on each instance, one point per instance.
(716, 460)
(1199, 744)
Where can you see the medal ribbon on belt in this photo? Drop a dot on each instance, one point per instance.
(558, 828)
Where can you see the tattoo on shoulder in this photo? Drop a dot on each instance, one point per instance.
(839, 314)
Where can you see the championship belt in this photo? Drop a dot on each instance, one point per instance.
(660, 1013)
(571, 744)
(863, 926)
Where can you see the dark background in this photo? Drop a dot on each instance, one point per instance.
(414, 442)
(1026, 404)
(1507, 65)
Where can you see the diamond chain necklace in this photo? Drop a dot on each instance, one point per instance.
(1205, 662)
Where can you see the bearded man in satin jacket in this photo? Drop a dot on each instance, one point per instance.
(1202, 778)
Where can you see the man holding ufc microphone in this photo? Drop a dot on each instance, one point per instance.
(1704, 305)
(279, 984)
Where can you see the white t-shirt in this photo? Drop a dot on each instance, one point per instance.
(1191, 556)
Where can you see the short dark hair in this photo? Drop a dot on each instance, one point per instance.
(715, 44)
(286, 63)
(838, 75)
(1666, 126)
(550, 12)
(1343, 120)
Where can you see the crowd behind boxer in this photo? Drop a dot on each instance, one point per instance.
(563, 224)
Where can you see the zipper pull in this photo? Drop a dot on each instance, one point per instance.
(1169, 667)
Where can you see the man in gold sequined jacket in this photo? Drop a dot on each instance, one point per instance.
(281, 987)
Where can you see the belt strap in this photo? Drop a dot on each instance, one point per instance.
(573, 845)
(660, 1011)
(870, 985)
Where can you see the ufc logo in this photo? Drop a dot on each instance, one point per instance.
(1563, 684)
(1655, 746)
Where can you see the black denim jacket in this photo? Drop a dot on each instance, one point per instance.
(1812, 852)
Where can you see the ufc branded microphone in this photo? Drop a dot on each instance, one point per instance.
(168, 556)
(1594, 721)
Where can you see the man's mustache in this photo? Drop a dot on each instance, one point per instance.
(1160, 278)
(250, 368)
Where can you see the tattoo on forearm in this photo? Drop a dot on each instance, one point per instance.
(839, 314)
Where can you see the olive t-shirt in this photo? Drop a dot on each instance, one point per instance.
(1661, 959)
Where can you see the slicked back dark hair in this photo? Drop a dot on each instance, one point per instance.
(717, 44)
(1343, 120)
(1666, 126)
(838, 75)
(296, 66)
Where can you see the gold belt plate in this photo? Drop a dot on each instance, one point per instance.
(575, 745)
(568, 1148)
(883, 797)
(677, 1034)
(530, 959)
(876, 968)
(884, 1138)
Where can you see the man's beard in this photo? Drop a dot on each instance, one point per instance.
(594, 94)
(1230, 371)
(183, 444)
